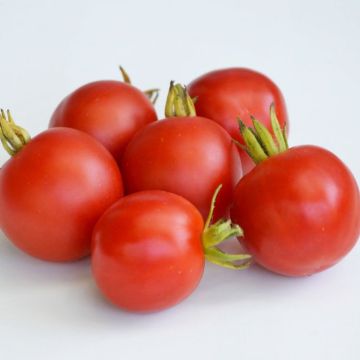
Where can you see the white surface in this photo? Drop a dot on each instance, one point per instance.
(312, 51)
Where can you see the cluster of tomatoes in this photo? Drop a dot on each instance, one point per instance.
(150, 200)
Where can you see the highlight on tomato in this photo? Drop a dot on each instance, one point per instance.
(149, 250)
(53, 189)
(185, 154)
(223, 95)
(299, 207)
(111, 111)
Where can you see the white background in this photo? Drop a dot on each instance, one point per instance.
(311, 49)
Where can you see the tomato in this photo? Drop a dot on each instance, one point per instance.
(228, 94)
(186, 155)
(149, 248)
(110, 111)
(147, 253)
(52, 192)
(299, 209)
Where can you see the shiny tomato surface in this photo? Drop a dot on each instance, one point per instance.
(188, 156)
(228, 94)
(147, 252)
(110, 111)
(54, 190)
(300, 211)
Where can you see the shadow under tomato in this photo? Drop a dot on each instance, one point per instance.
(27, 271)
(253, 285)
(67, 294)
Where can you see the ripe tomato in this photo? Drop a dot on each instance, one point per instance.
(148, 250)
(53, 191)
(110, 111)
(300, 211)
(186, 155)
(228, 94)
(147, 253)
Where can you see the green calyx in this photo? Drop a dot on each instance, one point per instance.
(259, 142)
(152, 94)
(214, 234)
(179, 102)
(12, 136)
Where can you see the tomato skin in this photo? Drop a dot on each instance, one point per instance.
(147, 253)
(188, 156)
(54, 190)
(110, 111)
(228, 94)
(300, 211)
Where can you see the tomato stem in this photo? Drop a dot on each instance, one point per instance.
(12, 136)
(259, 142)
(216, 234)
(152, 94)
(179, 102)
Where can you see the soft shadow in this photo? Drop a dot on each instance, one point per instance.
(225, 286)
(66, 293)
(27, 271)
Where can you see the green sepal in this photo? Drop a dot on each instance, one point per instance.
(217, 233)
(125, 75)
(179, 102)
(259, 142)
(220, 231)
(265, 137)
(219, 257)
(280, 134)
(152, 94)
(12, 136)
(253, 146)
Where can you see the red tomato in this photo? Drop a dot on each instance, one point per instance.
(300, 211)
(53, 191)
(189, 156)
(228, 94)
(111, 111)
(147, 253)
